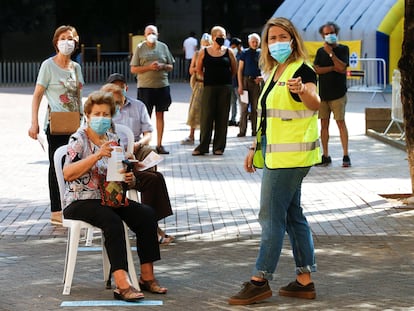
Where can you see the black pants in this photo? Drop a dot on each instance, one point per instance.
(138, 217)
(54, 141)
(214, 115)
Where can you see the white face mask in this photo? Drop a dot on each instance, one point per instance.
(151, 38)
(66, 47)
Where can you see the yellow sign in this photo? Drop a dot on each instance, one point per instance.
(354, 51)
(135, 41)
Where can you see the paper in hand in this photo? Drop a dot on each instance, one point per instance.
(150, 160)
(115, 165)
(244, 98)
(41, 142)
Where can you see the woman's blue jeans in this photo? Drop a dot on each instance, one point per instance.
(280, 212)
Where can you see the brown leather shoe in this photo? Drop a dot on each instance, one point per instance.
(251, 293)
(297, 290)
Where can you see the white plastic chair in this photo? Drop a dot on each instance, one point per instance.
(74, 232)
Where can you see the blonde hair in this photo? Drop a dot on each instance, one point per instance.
(266, 61)
(205, 39)
(216, 29)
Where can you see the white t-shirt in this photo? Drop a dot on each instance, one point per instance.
(190, 46)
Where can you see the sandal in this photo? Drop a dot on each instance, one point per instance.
(152, 286)
(130, 294)
(187, 141)
(166, 239)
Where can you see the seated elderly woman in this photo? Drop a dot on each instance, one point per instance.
(85, 171)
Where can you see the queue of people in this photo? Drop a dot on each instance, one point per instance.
(286, 143)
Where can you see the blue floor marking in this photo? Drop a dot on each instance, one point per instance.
(100, 303)
(96, 248)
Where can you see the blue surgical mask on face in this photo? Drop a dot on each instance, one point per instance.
(124, 92)
(280, 51)
(331, 38)
(100, 125)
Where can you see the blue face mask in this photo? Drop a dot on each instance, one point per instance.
(100, 125)
(124, 92)
(280, 51)
(331, 38)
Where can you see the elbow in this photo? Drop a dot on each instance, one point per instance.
(67, 176)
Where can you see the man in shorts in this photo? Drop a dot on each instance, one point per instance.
(330, 64)
(151, 62)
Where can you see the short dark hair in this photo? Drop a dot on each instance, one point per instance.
(235, 41)
(329, 24)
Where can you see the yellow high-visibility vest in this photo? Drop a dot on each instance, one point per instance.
(292, 135)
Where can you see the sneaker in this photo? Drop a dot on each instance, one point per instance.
(251, 293)
(241, 135)
(161, 150)
(297, 290)
(346, 161)
(325, 161)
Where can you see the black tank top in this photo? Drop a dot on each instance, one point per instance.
(217, 70)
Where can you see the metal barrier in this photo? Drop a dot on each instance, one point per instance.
(397, 114)
(367, 75)
(25, 73)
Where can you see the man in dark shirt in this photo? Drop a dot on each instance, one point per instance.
(330, 64)
(250, 79)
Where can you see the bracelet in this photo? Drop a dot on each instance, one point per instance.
(252, 148)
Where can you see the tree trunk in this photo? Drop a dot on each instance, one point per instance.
(406, 66)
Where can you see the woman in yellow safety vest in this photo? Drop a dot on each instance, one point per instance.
(287, 146)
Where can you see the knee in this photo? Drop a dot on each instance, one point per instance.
(148, 213)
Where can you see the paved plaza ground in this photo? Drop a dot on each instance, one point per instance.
(364, 242)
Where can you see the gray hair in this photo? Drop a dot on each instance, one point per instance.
(253, 36)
